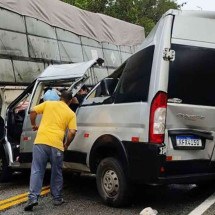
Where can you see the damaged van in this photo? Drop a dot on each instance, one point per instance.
(151, 121)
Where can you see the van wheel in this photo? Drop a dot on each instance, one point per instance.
(112, 183)
(5, 170)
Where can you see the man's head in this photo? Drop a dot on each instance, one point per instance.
(51, 95)
(84, 90)
(66, 96)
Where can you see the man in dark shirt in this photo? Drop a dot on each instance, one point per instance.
(78, 99)
(82, 93)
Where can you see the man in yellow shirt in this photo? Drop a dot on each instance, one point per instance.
(57, 118)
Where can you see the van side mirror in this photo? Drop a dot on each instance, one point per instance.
(108, 86)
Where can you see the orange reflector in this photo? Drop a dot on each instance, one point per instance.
(135, 139)
(86, 135)
(168, 158)
(162, 169)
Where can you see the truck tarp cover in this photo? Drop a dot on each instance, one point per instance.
(93, 25)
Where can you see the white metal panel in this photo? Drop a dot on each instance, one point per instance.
(126, 52)
(12, 21)
(12, 43)
(66, 71)
(136, 48)
(194, 28)
(67, 36)
(6, 71)
(90, 42)
(125, 56)
(26, 71)
(95, 75)
(125, 49)
(100, 73)
(110, 71)
(43, 48)
(111, 58)
(110, 46)
(91, 53)
(111, 55)
(70, 52)
(91, 49)
(37, 27)
(132, 49)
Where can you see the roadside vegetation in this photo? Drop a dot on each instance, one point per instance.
(141, 12)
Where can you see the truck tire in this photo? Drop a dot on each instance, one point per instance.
(112, 183)
(5, 170)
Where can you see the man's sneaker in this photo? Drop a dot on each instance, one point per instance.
(57, 202)
(30, 204)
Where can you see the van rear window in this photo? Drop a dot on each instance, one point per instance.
(192, 75)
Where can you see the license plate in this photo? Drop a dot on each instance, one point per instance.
(188, 141)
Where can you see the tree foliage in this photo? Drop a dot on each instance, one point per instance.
(141, 12)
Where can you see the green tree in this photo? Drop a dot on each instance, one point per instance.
(141, 12)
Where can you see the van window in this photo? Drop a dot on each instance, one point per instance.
(192, 75)
(134, 82)
(102, 93)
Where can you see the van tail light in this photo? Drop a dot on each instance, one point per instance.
(158, 118)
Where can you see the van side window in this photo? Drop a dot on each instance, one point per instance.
(102, 92)
(135, 79)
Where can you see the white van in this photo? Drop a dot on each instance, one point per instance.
(151, 121)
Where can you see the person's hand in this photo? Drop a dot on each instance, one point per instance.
(34, 127)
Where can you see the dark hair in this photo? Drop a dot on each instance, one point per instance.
(66, 95)
(84, 87)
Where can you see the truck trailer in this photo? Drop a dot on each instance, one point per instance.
(35, 34)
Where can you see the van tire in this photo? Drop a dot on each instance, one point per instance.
(112, 183)
(5, 170)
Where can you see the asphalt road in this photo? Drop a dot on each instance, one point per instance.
(82, 198)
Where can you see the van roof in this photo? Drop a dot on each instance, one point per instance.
(193, 13)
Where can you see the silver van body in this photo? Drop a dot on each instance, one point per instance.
(152, 120)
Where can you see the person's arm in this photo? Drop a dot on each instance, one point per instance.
(33, 116)
(70, 136)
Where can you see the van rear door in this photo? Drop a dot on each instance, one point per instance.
(190, 123)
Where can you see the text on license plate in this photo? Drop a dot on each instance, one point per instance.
(191, 141)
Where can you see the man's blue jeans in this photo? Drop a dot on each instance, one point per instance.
(42, 154)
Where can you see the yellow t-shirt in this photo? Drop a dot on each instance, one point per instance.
(56, 118)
